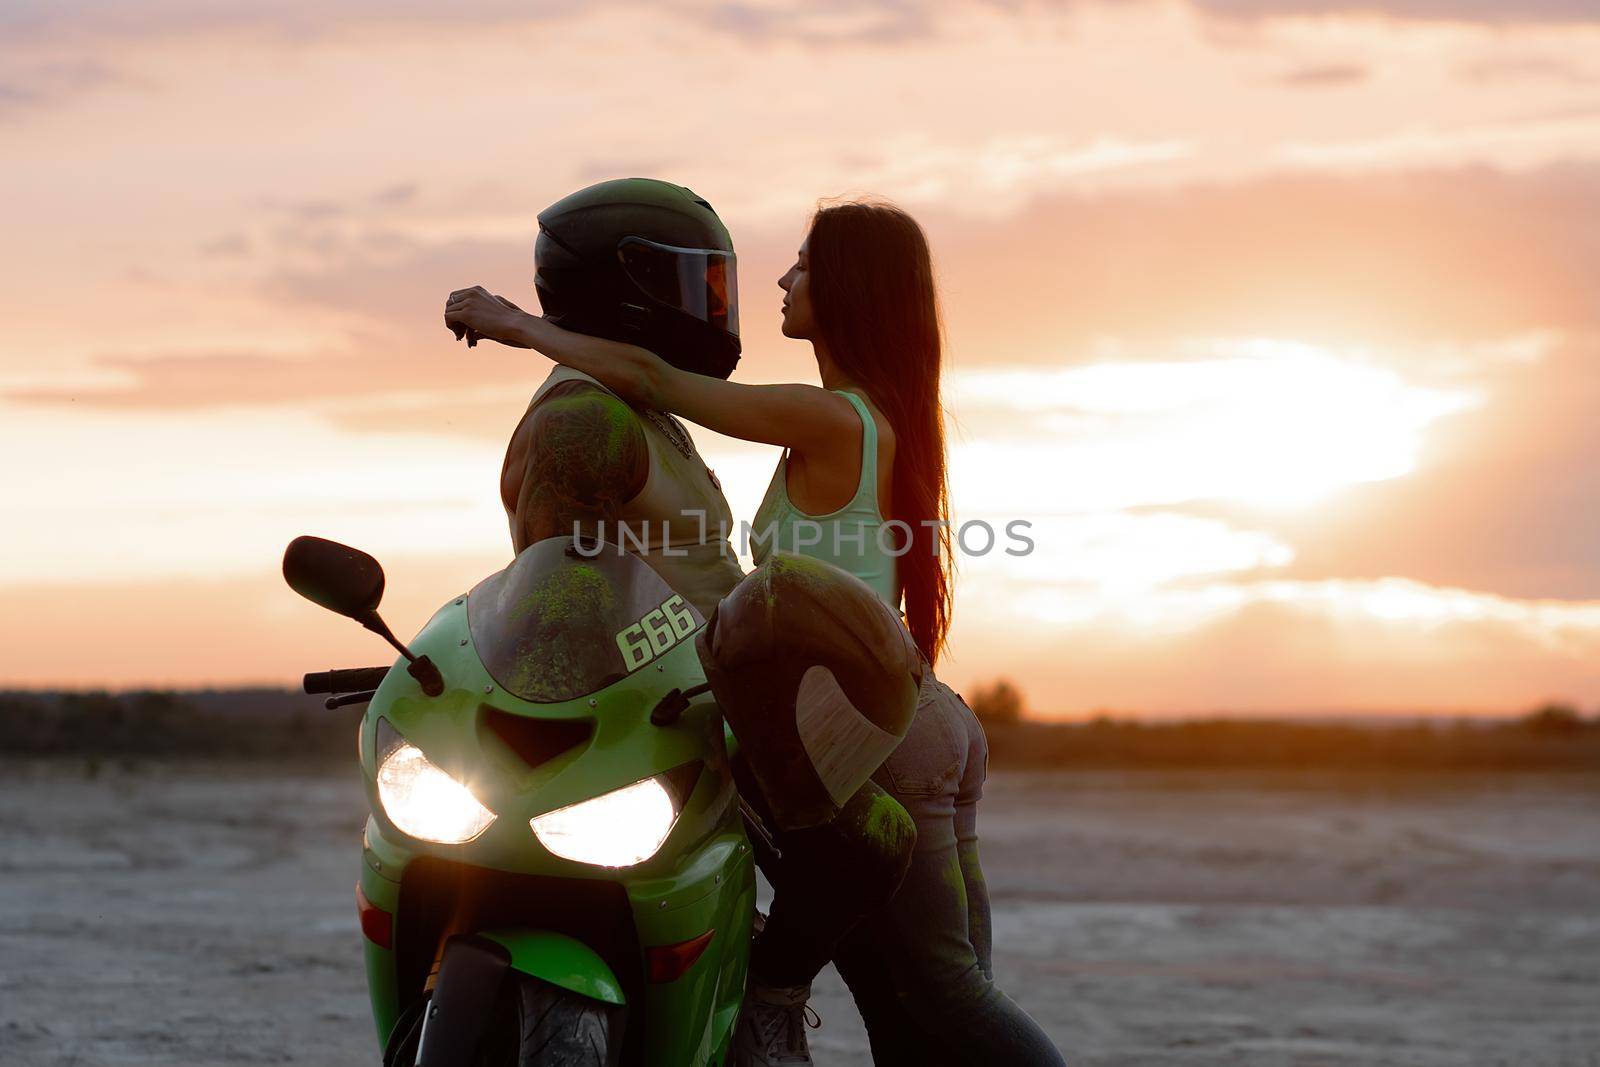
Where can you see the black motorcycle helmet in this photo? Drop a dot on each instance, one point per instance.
(646, 262)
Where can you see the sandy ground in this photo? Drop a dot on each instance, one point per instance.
(203, 915)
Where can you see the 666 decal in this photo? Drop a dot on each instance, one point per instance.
(656, 632)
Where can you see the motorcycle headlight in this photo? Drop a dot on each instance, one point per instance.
(619, 829)
(424, 801)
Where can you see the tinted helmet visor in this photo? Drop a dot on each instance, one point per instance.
(701, 282)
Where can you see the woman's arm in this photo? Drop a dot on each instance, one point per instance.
(806, 418)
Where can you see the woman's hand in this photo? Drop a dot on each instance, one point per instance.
(476, 312)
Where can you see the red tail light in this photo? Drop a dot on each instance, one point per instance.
(669, 962)
(376, 924)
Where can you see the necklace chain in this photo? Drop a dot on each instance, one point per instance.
(672, 432)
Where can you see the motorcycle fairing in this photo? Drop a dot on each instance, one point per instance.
(703, 877)
(565, 620)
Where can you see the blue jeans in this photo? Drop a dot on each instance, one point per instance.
(919, 967)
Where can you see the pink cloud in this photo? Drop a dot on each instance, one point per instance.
(1440, 254)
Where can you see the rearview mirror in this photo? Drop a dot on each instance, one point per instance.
(337, 577)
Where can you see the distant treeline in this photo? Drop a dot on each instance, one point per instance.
(281, 724)
(215, 723)
(1548, 739)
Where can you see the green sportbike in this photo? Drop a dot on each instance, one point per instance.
(556, 868)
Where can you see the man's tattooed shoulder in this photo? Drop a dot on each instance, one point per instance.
(582, 456)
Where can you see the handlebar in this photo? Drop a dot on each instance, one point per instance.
(349, 680)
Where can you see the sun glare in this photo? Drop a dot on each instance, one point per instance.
(1264, 422)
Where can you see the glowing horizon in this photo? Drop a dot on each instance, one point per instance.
(1279, 325)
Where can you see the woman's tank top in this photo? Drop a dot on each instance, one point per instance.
(848, 538)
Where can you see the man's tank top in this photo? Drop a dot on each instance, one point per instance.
(679, 521)
(847, 538)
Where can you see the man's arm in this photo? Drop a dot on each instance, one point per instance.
(577, 457)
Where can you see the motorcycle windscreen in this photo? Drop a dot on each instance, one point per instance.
(702, 282)
(565, 620)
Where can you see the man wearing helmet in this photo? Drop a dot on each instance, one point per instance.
(581, 457)
(650, 264)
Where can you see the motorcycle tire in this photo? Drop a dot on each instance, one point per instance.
(541, 1025)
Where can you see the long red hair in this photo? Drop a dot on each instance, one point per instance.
(876, 306)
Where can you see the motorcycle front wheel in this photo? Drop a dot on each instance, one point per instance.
(540, 1025)
(535, 1024)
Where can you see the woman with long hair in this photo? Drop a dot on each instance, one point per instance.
(862, 485)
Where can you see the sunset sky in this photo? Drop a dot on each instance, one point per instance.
(1278, 319)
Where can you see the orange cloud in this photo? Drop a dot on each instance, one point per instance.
(1434, 255)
